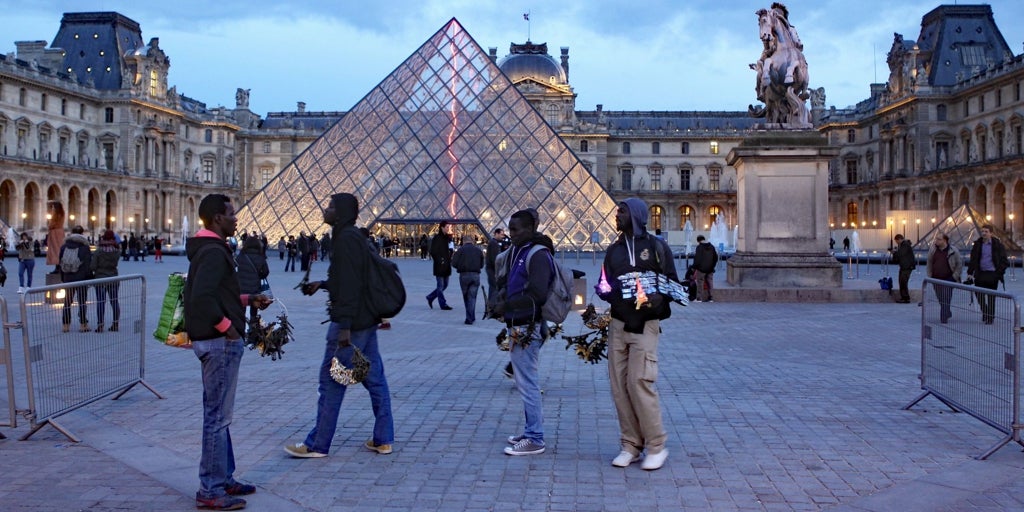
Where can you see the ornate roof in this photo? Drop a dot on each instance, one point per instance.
(531, 61)
(94, 43)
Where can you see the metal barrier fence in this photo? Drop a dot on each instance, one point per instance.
(68, 363)
(7, 364)
(970, 354)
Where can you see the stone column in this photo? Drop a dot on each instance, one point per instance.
(782, 207)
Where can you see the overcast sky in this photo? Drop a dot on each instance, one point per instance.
(626, 55)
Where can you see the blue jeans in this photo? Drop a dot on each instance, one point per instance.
(438, 293)
(331, 393)
(26, 267)
(220, 360)
(525, 362)
(470, 284)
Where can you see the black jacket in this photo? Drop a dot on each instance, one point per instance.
(77, 242)
(904, 256)
(652, 254)
(705, 257)
(252, 267)
(211, 290)
(346, 275)
(999, 258)
(441, 254)
(468, 258)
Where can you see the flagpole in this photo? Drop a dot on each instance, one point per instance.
(526, 16)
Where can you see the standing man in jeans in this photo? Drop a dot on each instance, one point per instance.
(530, 273)
(987, 265)
(633, 336)
(215, 321)
(352, 325)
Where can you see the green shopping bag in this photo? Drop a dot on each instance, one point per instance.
(170, 330)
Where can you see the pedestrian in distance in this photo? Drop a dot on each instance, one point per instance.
(75, 265)
(441, 254)
(468, 260)
(104, 264)
(633, 336)
(498, 243)
(987, 266)
(293, 249)
(705, 259)
(252, 267)
(215, 321)
(351, 325)
(904, 258)
(26, 261)
(945, 263)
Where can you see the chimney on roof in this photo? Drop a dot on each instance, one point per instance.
(301, 107)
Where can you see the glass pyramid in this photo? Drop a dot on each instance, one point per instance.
(444, 137)
(963, 227)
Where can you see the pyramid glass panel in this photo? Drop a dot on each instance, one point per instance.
(963, 227)
(445, 136)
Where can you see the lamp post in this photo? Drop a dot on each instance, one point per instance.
(112, 221)
(891, 223)
(92, 225)
(1011, 226)
(918, 239)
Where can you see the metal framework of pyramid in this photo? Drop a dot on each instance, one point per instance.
(963, 227)
(446, 136)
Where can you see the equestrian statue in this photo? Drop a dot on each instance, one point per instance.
(781, 72)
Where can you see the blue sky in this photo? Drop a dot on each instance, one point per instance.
(638, 55)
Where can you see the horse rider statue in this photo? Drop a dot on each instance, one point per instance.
(782, 78)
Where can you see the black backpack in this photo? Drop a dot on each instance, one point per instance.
(385, 292)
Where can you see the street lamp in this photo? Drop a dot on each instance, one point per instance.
(145, 225)
(112, 220)
(891, 222)
(92, 225)
(1011, 226)
(918, 239)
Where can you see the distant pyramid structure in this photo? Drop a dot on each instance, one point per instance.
(963, 227)
(445, 136)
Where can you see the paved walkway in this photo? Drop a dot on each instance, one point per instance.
(768, 407)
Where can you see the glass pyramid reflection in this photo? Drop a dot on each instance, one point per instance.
(445, 136)
(963, 227)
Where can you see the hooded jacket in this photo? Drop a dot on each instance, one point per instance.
(649, 253)
(77, 242)
(252, 266)
(106, 258)
(211, 297)
(346, 275)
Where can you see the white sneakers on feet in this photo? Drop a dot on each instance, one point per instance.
(624, 459)
(655, 460)
(21, 289)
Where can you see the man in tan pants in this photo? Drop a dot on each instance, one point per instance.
(633, 334)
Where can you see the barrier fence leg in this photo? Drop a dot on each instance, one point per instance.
(147, 386)
(56, 426)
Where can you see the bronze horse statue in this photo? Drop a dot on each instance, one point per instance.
(782, 79)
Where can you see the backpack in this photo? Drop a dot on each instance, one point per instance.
(385, 292)
(69, 261)
(559, 301)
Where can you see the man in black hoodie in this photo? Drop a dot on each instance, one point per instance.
(215, 321)
(352, 324)
(633, 335)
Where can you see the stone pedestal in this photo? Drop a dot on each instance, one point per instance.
(782, 203)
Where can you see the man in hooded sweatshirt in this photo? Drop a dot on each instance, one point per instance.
(352, 325)
(633, 336)
(215, 321)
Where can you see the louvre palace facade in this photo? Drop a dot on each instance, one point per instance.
(89, 120)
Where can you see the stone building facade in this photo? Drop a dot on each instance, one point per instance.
(944, 130)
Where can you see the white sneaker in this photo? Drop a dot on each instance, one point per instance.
(21, 289)
(655, 460)
(624, 459)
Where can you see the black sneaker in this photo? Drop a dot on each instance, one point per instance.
(508, 371)
(219, 503)
(239, 489)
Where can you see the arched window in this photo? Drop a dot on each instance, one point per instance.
(686, 148)
(655, 148)
(551, 115)
(713, 213)
(584, 146)
(627, 178)
(685, 214)
(656, 213)
(851, 214)
(625, 148)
